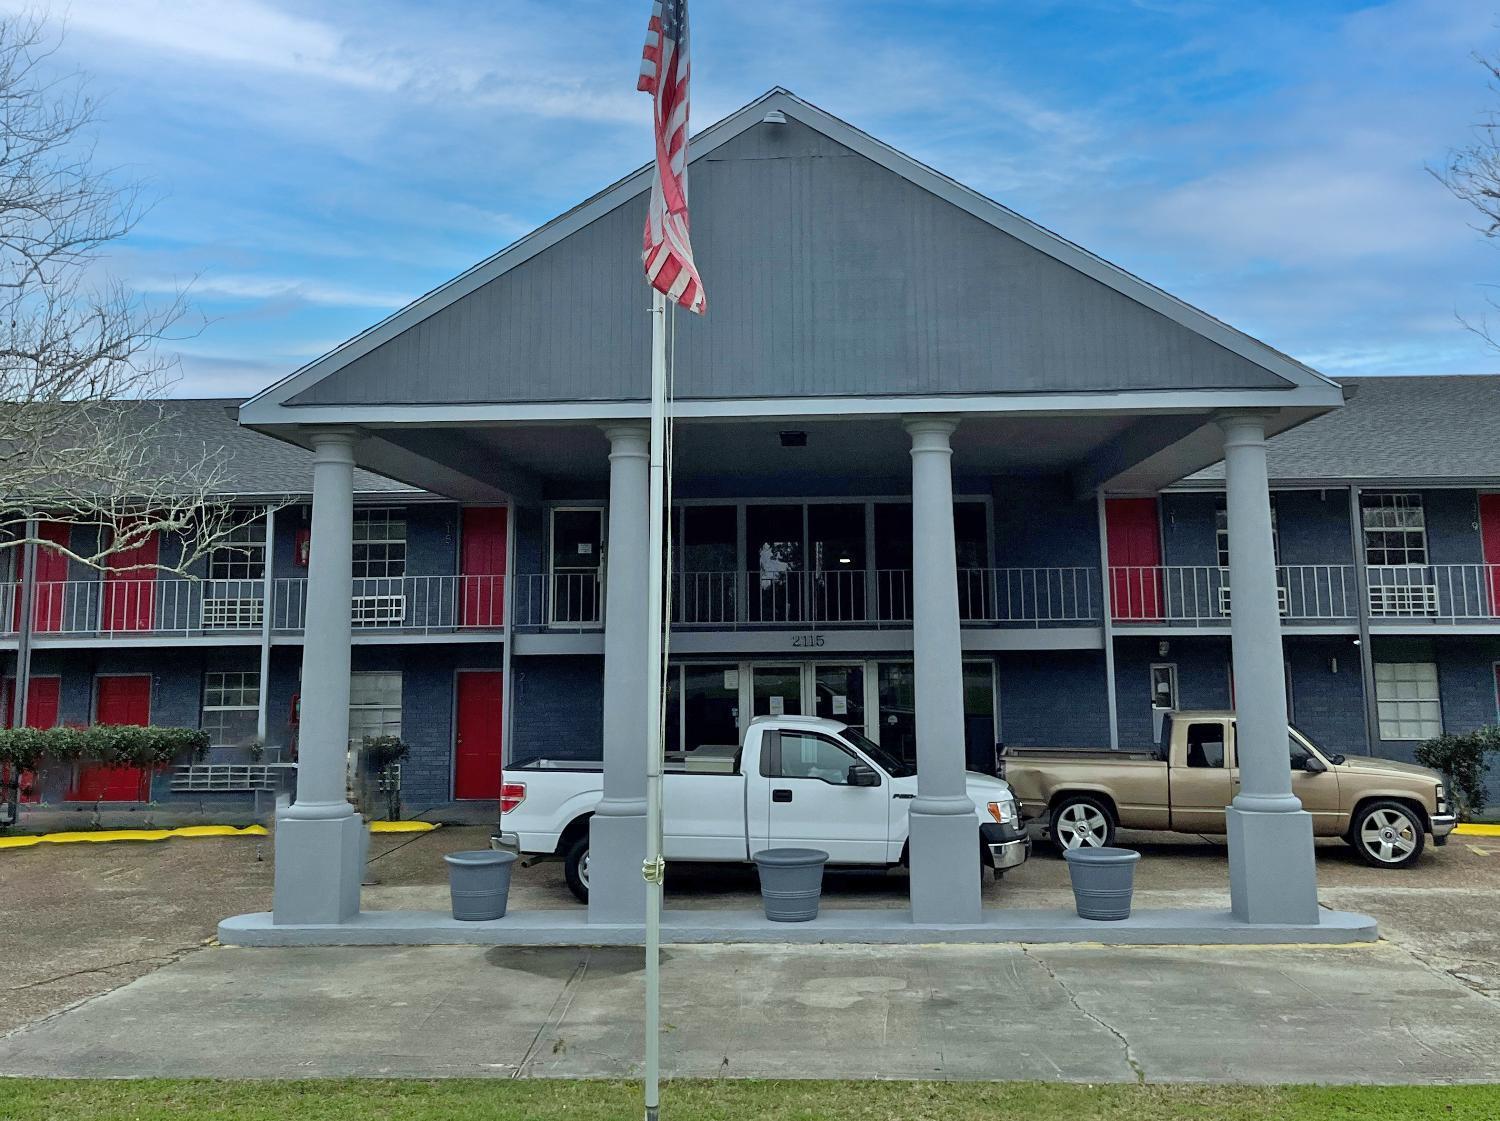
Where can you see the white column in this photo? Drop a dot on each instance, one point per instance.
(320, 839)
(1272, 878)
(944, 833)
(617, 831)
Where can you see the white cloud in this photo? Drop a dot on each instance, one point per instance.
(249, 287)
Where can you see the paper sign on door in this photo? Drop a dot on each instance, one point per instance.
(778, 706)
(731, 679)
(841, 706)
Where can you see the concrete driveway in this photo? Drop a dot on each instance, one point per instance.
(83, 920)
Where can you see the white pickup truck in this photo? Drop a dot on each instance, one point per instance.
(796, 781)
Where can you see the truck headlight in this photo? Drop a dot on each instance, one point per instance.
(1006, 812)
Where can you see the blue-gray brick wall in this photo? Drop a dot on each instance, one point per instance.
(1202, 680)
(1039, 524)
(1312, 527)
(559, 708)
(1053, 698)
(1452, 518)
(1327, 696)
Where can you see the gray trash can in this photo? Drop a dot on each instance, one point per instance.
(1103, 880)
(791, 882)
(479, 882)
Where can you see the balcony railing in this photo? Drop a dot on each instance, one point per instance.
(732, 600)
(1199, 595)
(10, 607)
(122, 608)
(1438, 593)
(408, 604)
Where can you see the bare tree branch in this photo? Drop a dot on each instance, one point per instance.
(84, 439)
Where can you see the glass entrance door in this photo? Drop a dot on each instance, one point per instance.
(577, 555)
(776, 690)
(839, 693)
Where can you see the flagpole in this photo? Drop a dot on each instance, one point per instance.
(654, 868)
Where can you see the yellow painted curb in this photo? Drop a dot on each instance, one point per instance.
(99, 836)
(1478, 830)
(401, 827)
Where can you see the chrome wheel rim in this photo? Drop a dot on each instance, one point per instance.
(1081, 825)
(1389, 836)
(583, 869)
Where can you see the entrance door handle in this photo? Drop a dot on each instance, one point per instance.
(781, 795)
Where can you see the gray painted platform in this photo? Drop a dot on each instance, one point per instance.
(866, 926)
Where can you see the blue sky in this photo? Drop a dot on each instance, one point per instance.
(318, 163)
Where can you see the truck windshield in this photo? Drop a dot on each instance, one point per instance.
(883, 758)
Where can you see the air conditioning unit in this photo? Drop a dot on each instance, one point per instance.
(242, 613)
(1283, 600)
(379, 611)
(1403, 599)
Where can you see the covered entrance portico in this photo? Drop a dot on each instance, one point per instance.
(901, 424)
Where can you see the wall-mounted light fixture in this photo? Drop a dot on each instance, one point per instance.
(1333, 664)
(1163, 648)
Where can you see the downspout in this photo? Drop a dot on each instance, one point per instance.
(1362, 615)
(268, 587)
(1109, 625)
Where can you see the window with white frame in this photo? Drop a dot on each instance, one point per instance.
(374, 706)
(1221, 533)
(231, 706)
(1395, 529)
(379, 543)
(241, 554)
(1406, 700)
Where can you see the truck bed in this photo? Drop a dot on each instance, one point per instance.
(1079, 755)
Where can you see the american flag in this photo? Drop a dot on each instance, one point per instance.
(665, 69)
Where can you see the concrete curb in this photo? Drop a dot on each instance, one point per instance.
(869, 926)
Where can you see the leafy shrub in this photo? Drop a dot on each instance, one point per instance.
(380, 752)
(112, 745)
(1464, 760)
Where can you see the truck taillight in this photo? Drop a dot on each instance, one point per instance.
(512, 794)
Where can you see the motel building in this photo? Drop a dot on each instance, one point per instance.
(901, 391)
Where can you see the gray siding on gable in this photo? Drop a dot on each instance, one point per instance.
(827, 275)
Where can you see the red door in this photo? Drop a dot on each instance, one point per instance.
(51, 579)
(43, 705)
(1489, 531)
(120, 700)
(1134, 558)
(476, 757)
(481, 564)
(129, 589)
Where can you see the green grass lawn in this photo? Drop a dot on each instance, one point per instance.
(730, 1100)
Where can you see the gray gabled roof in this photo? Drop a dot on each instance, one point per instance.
(1437, 429)
(501, 345)
(252, 464)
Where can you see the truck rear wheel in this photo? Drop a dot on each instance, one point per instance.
(1079, 821)
(1388, 834)
(576, 868)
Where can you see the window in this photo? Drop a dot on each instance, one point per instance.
(374, 706)
(1298, 752)
(1406, 700)
(1395, 529)
(1205, 745)
(1221, 533)
(1164, 686)
(231, 705)
(379, 543)
(242, 553)
(805, 755)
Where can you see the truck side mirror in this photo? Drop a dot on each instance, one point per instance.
(1313, 765)
(861, 775)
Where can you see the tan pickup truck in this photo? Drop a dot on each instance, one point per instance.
(1383, 808)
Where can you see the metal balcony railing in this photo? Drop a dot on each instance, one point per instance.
(122, 608)
(408, 604)
(1199, 595)
(1436, 592)
(729, 600)
(10, 607)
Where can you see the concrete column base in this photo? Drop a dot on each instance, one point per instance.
(944, 858)
(1272, 874)
(617, 849)
(319, 865)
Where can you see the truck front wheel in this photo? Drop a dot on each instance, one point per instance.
(1079, 821)
(1388, 834)
(576, 868)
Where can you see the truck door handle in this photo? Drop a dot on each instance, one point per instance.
(781, 795)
